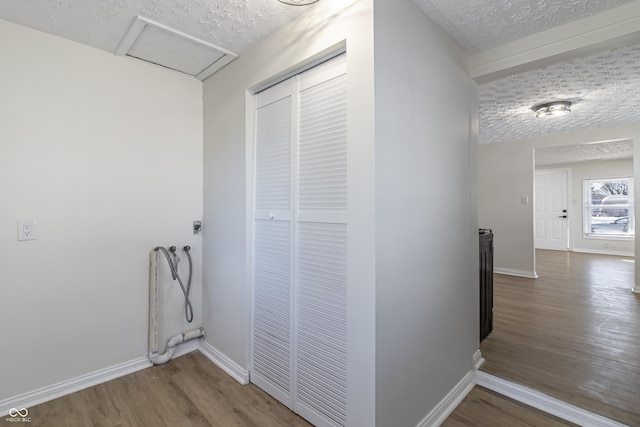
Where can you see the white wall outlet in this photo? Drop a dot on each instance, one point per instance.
(26, 229)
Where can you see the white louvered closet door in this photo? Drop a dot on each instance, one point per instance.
(272, 329)
(310, 317)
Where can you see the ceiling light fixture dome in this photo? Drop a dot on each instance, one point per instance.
(552, 109)
(298, 2)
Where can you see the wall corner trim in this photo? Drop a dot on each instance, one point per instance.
(635, 289)
(223, 362)
(477, 360)
(450, 402)
(543, 402)
(64, 388)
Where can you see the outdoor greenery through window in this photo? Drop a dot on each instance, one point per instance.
(608, 205)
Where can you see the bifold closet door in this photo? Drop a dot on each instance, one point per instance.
(299, 340)
(272, 325)
(321, 245)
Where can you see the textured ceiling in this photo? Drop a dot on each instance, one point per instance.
(234, 25)
(611, 150)
(604, 89)
(478, 25)
(190, 34)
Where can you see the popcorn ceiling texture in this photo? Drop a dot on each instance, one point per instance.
(603, 88)
(235, 25)
(585, 152)
(478, 25)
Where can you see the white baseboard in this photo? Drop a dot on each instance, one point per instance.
(64, 388)
(477, 360)
(229, 366)
(543, 402)
(447, 405)
(518, 273)
(187, 347)
(604, 252)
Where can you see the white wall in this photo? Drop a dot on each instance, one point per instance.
(590, 170)
(505, 173)
(105, 154)
(227, 109)
(426, 232)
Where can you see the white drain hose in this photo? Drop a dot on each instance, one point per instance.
(159, 359)
(155, 357)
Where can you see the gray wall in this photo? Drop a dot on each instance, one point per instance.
(105, 154)
(506, 171)
(409, 277)
(228, 106)
(426, 232)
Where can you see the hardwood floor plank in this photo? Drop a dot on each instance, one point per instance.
(485, 408)
(573, 333)
(192, 391)
(188, 391)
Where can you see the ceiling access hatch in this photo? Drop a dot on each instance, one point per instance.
(161, 45)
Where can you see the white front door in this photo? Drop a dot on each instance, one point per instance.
(551, 216)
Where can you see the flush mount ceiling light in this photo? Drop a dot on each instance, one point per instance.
(552, 109)
(298, 2)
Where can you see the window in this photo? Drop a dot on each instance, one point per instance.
(608, 207)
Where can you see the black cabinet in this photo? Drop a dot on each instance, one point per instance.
(486, 283)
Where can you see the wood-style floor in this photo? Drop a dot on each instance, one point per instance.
(484, 408)
(192, 391)
(573, 333)
(187, 391)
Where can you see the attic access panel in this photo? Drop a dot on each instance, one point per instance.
(158, 44)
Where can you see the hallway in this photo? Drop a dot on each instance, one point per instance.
(573, 333)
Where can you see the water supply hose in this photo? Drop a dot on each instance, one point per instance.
(173, 265)
(187, 249)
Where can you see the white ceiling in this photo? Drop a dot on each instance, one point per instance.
(478, 25)
(198, 37)
(604, 89)
(610, 150)
(211, 27)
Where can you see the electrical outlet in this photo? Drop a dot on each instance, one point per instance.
(26, 229)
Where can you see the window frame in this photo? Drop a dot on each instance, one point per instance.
(589, 207)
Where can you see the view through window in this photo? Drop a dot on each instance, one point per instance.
(608, 205)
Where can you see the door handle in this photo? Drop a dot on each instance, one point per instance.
(562, 216)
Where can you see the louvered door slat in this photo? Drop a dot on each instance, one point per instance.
(322, 158)
(272, 284)
(272, 313)
(273, 156)
(321, 252)
(300, 244)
